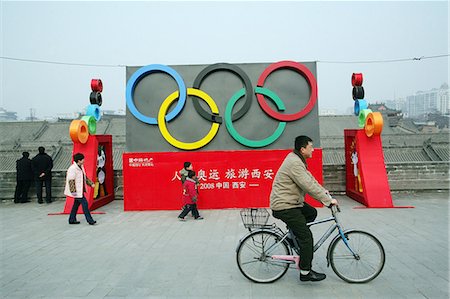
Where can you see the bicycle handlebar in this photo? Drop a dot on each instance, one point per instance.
(333, 205)
(336, 207)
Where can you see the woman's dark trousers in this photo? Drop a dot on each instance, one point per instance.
(84, 205)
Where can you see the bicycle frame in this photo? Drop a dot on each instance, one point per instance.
(266, 253)
(295, 258)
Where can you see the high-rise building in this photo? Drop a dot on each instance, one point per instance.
(431, 101)
(443, 96)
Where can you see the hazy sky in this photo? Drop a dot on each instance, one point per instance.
(181, 32)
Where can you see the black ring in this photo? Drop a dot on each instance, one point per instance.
(242, 76)
(358, 92)
(95, 98)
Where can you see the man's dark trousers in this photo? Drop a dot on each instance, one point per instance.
(21, 194)
(296, 220)
(48, 189)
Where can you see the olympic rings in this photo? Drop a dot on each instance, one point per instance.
(142, 72)
(237, 71)
(213, 115)
(302, 70)
(243, 140)
(162, 122)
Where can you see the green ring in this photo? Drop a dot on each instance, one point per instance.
(91, 123)
(242, 140)
(362, 117)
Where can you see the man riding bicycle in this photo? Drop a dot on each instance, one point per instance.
(287, 201)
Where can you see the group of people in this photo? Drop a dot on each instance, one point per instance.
(37, 169)
(190, 192)
(287, 198)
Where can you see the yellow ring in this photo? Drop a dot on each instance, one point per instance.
(162, 121)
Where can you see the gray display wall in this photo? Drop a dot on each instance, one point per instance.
(189, 126)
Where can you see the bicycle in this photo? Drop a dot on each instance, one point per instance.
(266, 253)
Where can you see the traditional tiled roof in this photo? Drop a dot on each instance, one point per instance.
(400, 145)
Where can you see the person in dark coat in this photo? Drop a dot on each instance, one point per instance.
(42, 168)
(24, 177)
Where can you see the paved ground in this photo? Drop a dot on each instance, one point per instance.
(152, 255)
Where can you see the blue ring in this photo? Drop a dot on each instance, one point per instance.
(359, 105)
(141, 73)
(94, 110)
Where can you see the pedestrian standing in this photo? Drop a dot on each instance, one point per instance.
(24, 177)
(42, 165)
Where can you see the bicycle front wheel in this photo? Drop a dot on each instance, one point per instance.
(254, 257)
(358, 259)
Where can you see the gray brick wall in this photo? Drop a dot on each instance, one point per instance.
(8, 185)
(407, 176)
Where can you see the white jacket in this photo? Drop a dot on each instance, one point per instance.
(77, 175)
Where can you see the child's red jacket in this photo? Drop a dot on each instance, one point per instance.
(189, 192)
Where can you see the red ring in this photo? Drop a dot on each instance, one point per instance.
(96, 85)
(357, 79)
(302, 70)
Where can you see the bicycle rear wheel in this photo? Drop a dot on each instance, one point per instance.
(254, 260)
(363, 262)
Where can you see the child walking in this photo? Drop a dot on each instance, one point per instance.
(190, 197)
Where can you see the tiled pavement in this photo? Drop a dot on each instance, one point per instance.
(152, 255)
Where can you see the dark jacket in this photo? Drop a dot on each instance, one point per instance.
(24, 170)
(42, 163)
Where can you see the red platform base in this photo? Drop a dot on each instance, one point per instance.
(65, 213)
(399, 207)
(366, 177)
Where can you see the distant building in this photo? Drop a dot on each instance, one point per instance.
(398, 104)
(393, 116)
(7, 115)
(119, 112)
(428, 127)
(444, 98)
(431, 101)
(327, 111)
(68, 116)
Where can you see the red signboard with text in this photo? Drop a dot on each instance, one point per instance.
(227, 179)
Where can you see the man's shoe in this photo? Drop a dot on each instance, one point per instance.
(74, 222)
(181, 219)
(199, 218)
(312, 276)
(40, 201)
(25, 201)
(93, 222)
